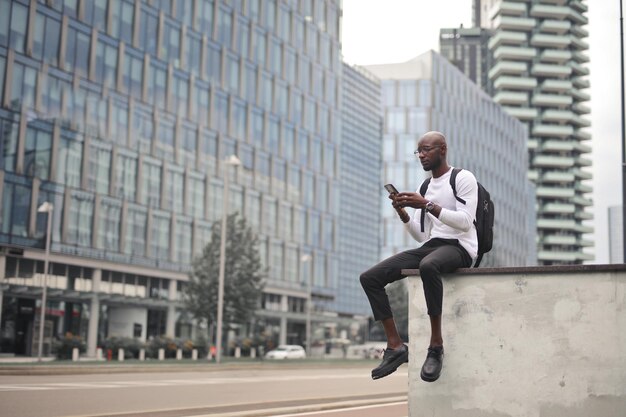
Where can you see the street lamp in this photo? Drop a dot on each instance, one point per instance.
(44, 208)
(304, 259)
(232, 161)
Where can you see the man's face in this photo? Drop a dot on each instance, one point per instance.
(429, 152)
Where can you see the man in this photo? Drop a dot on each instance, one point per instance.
(450, 242)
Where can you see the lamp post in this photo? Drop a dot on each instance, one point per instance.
(44, 208)
(305, 259)
(621, 43)
(230, 162)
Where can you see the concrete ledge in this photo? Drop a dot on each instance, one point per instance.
(532, 341)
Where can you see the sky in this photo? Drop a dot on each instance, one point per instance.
(388, 31)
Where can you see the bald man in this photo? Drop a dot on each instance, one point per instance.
(449, 242)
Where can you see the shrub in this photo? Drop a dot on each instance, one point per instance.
(63, 348)
(130, 345)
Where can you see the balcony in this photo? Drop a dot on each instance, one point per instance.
(579, 43)
(579, 31)
(558, 131)
(516, 83)
(581, 121)
(510, 97)
(557, 116)
(579, 95)
(508, 8)
(515, 53)
(578, 200)
(553, 55)
(583, 175)
(550, 41)
(549, 12)
(538, 327)
(560, 239)
(583, 162)
(580, 57)
(556, 86)
(582, 135)
(547, 70)
(578, 69)
(555, 26)
(508, 67)
(578, 5)
(507, 38)
(558, 146)
(577, 17)
(514, 23)
(550, 161)
(560, 224)
(552, 100)
(583, 215)
(522, 113)
(580, 82)
(559, 177)
(554, 256)
(581, 109)
(582, 148)
(583, 188)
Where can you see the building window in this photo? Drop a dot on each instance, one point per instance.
(133, 75)
(165, 140)
(220, 118)
(266, 99)
(204, 17)
(125, 177)
(258, 47)
(240, 119)
(232, 73)
(147, 32)
(151, 185)
(270, 208)
(99, 169)
(243, 38)
(23, 87)
(276, 261)
(16, 209)
(180, 95)
(182, 251)
(69, 160)
(213, 65)
(224, 26)
(77, 52)
(276, 57)
(37, 151)
(109, 225)
(249, 83)
(208, 150)
(8, 137)
(157, 86)
(97, 114)
(95, 12)
(170, 50)
(193, 46)
(122, 17)
(160, 239)
(106, 64)
(119, 127)
(135, 239)
(46, 39)
(188, 147)
(80, 222)
(174, 192)
(143, 131)
(2, 71)
(200, 109)
(18, 25)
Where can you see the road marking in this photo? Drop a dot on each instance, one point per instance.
(178, 382)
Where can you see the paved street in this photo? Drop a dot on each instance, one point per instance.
(231, 392)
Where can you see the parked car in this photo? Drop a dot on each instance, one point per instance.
(286, 352)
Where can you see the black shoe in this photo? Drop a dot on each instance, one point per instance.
(392, 359)
(433, 364)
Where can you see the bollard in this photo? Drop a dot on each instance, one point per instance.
(194, 354)
(209, 356)
(237, 352)
(142, 354)
(179, 354)
(253, 353)
(99, 354)
(120, 355)
(75, 354)
(161, 354)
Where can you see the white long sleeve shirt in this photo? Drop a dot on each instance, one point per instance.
(456, 220)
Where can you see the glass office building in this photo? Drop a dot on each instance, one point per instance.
(429, 93)
(119, 113)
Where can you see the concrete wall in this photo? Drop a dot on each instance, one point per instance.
(524, 342)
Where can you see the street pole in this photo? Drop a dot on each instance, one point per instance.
(232, 161)
(305, 259)
(621, 41)
(44, 208)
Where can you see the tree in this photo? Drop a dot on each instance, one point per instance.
(243, 275)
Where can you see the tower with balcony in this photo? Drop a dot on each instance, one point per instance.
(539, 76)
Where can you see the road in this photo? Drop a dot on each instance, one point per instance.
(243, 392)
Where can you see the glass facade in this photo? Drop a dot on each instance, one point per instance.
(120, 113)
(481, 136)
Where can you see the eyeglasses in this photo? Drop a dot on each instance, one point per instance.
(425, 150)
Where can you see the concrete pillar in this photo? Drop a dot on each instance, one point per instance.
(94, 314)
(170, 327)
(3, 261)
(282, 338)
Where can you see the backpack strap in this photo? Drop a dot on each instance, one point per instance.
(423, 189)
(455, 172)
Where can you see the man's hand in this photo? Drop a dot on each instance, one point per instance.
(414, 200)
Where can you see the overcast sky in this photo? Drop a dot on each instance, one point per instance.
(382, 32)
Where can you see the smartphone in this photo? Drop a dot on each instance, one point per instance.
(391, 189)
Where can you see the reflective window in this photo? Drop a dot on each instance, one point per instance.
(254, 9)
(160, 239)
(109, 213)
(313, 230)
(258, 47)
(418, 120)
(180, 94)
(106, 64)
(266, 91)
(2, 71)
(262, 171)
(285, 23)
(157, 86)
(288, 138)
(23, 87)
(279, 176)
(142, 131)
(200, 108)
(151, 184)
(193, 49)
(208, 149)
(407, 93)
(16, 208)
(232, 73)
(243, 37)
(95, 12)
(97, 114)
(290, 66)
(99, 169)
(258, 122)
(37, 151)
(276, 56)
(269, 13)
(165, 5)
(122, 17)
(18, 26)
(273, 135)
(311, 115)
(213, 64)
(69, 159)
(240, 118)
(308, 189)
(396, 120)
(321, 193)
(184, 12)
(188, 147)
(276, 260)
(204, 17)
(325, 54)
(224, 26)
(165, 140)
(136, 227)
(316, 154)
(270, 208)
(182, 251)
(46, 39)
(281, 95)
(133, 75)
(119, 127)
(303, 148)
(125, 177)
(170, 49)
(195, 197)
(253, 210)
(311, 41)
(250, 83)
(174, 191)
(299, 33)
(148, 26)
(77, 51)
(220, 116)
(5, 19)
(8, 137)
(80, 225)
(305, 74)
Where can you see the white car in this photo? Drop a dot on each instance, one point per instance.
(286, 352)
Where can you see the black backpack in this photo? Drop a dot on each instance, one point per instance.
(485, 214)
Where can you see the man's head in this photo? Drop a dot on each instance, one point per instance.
(432, 150)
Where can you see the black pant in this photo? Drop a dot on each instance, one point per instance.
(435, 257)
